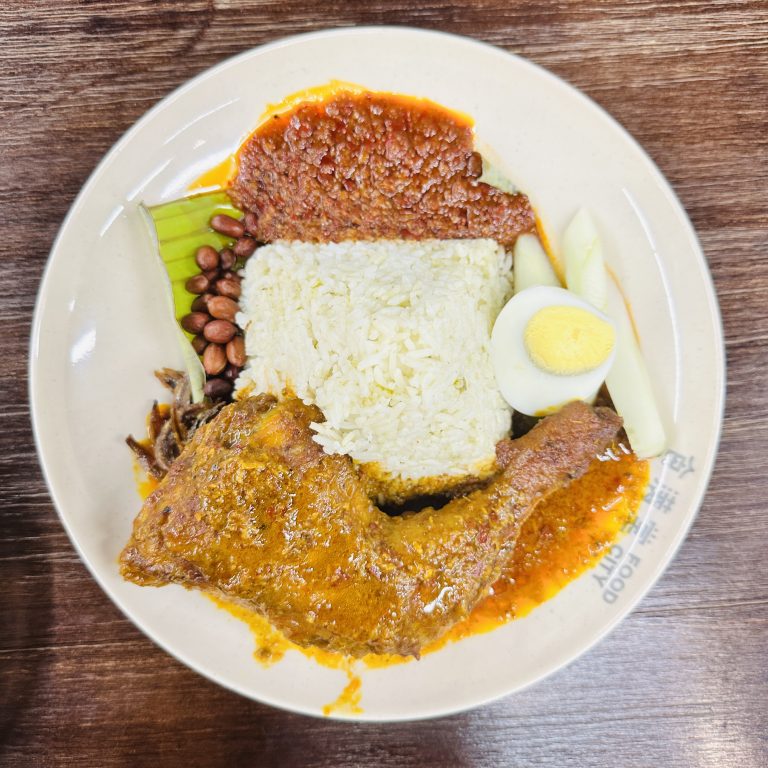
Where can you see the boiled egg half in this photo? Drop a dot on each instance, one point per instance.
(549, 347)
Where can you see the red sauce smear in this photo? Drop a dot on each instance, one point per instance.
(363, 165)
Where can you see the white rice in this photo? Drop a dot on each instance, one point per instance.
(390, 339)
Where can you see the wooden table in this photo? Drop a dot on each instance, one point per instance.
(682, 682)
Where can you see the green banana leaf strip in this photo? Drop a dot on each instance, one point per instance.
(178, 229)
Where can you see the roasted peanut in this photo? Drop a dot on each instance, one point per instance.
(200, 304)
(228, 287)
(207, 258)
(251, 222)
(219, 331)
(223, 308)
(236, 351)
(199, 344)
(231, 372)
(212, 275)
(227, 225)
(214, 359)
(227, 259)
(194, 322)
(217, 389)
(197, 284)
(244, 247)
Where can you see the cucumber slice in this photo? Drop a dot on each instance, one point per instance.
(585, 272)
(530, 265)
(628, 381)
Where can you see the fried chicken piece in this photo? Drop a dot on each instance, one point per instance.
(255, 510)
(368, 166)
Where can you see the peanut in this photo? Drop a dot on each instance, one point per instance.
(197, 284)
(236, 351)
(227, 225)
(228, 287)
(223, 308)
(219, 331)
(207, 258)
(214, 359)
(244, 247)
(194, 322)
(217, 389)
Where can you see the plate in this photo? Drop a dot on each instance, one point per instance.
(100, 329)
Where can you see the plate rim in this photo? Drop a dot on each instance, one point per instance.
(713, 312)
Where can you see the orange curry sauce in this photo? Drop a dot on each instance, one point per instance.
(566, 535)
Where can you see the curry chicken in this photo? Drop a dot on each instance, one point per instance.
(255, 510)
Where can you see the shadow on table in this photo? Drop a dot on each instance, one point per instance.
(26, 587)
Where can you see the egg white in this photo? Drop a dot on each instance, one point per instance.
(526, 387)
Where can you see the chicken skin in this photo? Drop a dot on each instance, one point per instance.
(254, 510)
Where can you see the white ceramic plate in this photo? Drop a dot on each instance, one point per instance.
(100, 329)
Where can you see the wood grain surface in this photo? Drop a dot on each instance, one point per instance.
(682, 682)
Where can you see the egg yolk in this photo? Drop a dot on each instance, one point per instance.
(568, 340)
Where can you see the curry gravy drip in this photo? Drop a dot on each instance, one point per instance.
(271, 646)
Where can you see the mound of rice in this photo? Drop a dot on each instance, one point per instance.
(390, 339)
